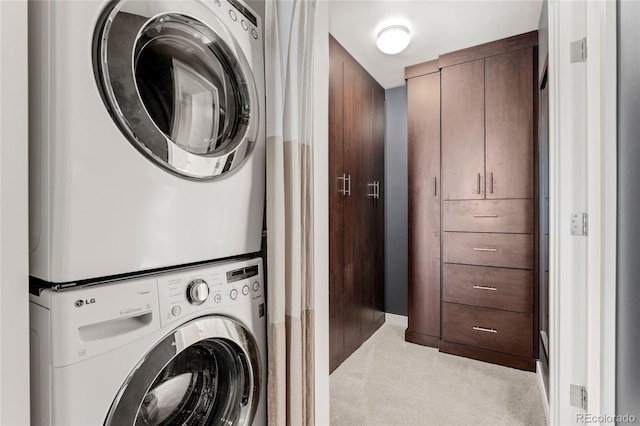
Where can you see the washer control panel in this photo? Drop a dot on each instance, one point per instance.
(240, 14)
(213, 288)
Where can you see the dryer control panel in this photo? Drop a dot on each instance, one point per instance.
(224, 288)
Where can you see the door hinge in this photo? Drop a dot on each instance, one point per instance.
(578, 396)
(579, 224)
(578, 50)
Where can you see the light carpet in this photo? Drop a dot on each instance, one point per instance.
(388, 381)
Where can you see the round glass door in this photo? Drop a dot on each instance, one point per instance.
(212, 379)
(178, 86)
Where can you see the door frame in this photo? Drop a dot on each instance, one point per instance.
(582, 179)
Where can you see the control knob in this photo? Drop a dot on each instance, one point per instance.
(197, 292)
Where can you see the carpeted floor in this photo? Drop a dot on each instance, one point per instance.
(391, 382)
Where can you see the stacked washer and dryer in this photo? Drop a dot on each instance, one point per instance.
(147, 140)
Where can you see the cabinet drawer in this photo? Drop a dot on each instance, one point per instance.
(488, 216)
(485, 249)
(499, 288)
(501, 331)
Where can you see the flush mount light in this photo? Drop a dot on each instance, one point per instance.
(393, 39)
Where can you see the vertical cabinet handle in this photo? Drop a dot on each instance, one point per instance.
(491, 182)
(376, 189)
(435, 186)
(478, 183)
(373, 186)
(346, 185)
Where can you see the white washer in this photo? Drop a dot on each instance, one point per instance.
(146, 135)
(181, 348)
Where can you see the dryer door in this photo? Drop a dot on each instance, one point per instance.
(178, 85)
(207, 372)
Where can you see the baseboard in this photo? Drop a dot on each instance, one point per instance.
(393, 319)
(543, 391)
(486, 355)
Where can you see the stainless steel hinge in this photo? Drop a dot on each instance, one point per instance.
(579, 224)
(578, 396)
(578, 50)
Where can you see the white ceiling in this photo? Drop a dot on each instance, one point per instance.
(436, 26)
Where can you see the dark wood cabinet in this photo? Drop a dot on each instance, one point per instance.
(463, 173)
(423, 96)
(509, 124)
(485, 239)
(356, 219)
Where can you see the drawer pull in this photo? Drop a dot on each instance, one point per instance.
(485, 330)
(484, 287)
(484, 249)
(485, 215)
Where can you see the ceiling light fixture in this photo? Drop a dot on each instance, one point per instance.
(393, 39)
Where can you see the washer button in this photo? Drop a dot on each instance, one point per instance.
(175, 311)
(233, 15)
(245, 290)
(254, 33)
(256, 286)
(217, 2)
(244, 25)
(233, 294)
(217, 298)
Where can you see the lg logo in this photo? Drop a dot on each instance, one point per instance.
(80, 303)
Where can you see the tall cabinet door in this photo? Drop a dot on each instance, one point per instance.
(424, 208)
(357, 132)
(463, 131)
(337, 200)
(378, 204)
(509, 124)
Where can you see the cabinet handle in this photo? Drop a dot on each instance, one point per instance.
(343, 179)
(485, 215)
(486, 330)
(484, 249)
(478, 183)
(346, 185)
(484, 287)
(377, 189)
(491, 182)
(435, 186)
(373, 185)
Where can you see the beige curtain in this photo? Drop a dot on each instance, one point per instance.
(289, 31)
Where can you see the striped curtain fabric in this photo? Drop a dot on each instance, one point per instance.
(289, 31)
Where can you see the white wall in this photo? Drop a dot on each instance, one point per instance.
(321, 211)
(14, 266)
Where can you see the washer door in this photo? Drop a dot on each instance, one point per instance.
(177, 85)
(207, 372)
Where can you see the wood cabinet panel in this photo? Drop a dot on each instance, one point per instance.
(356, 222)
(378, 174)
(336, 201)
(502, 250)
(498, 288)
(355, 101)
(463, 131)
(505, 216)
(509, 86)
(423, 95)
(502, 331)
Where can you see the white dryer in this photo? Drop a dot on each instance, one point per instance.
(146, 135)
(186, 347)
